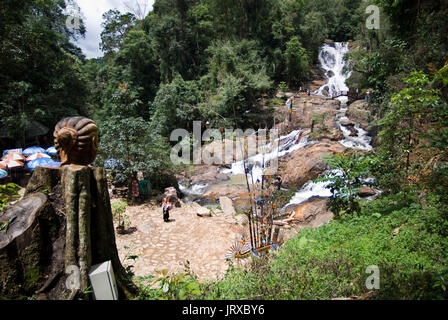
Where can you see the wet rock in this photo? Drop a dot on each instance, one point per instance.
(347, 123)
(358, 112)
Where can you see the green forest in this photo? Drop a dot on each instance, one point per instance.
(222, 63)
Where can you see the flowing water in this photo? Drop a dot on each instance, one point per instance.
(281, 147)
(331, 58)
(362, 140)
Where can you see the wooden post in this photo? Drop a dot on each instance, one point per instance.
(80, 218)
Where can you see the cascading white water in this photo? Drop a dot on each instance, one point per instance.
(331, 58)
(193, 190)
(309, 190)
(286, 144)
(362, 140)
(312, 189)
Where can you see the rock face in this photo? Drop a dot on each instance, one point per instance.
(313, 213)
(207, 174)
(306, 164)
(308, 108)
(234, 192)
(358, 112)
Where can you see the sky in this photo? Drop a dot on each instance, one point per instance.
(92, 11)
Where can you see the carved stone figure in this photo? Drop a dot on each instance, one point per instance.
(76, 140)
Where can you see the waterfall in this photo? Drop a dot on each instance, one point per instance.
(286, 145)
(331, 58)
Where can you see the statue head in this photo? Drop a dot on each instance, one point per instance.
(76, 140)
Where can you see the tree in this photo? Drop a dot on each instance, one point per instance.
(115, 27)
(235, 81)
(411, 112)
(126, 136)
(176, 106)
(297, 62)
(41, 77)
(348, 173)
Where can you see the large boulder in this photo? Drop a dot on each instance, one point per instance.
(206, 174)
(366, 191)
(307, 163)
(313, 213)
(358, 112)
(231, 191)
(227, 207)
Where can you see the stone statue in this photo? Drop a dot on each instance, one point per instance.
(76, 140)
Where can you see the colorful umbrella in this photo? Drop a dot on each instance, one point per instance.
(12, 163)
(29, 151)
(39, 162)
(111, 163)
(3, 174)
(13, 156)
(5, 152)
(51, 151)
(51, 164)
(37, 156)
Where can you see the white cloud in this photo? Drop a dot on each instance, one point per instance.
(92, 11)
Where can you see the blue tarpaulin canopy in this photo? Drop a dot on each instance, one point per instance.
(29, 151)
(51, 151)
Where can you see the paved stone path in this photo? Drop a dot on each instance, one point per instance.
(202, 241)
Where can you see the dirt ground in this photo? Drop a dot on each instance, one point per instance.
(203, 241)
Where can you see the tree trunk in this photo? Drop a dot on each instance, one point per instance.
(64, 220)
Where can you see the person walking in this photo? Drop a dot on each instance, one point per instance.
(367, 96)
(166, 207)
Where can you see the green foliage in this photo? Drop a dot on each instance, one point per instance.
(348, 174)
(8, 193)
(118, 212)
(126, 136)
(115, 26)
(235, 81)
(179, 286)
(41, 70)
(407, 122)
(394, 233)
(297, 62)
(176, 106)
(282, 86)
